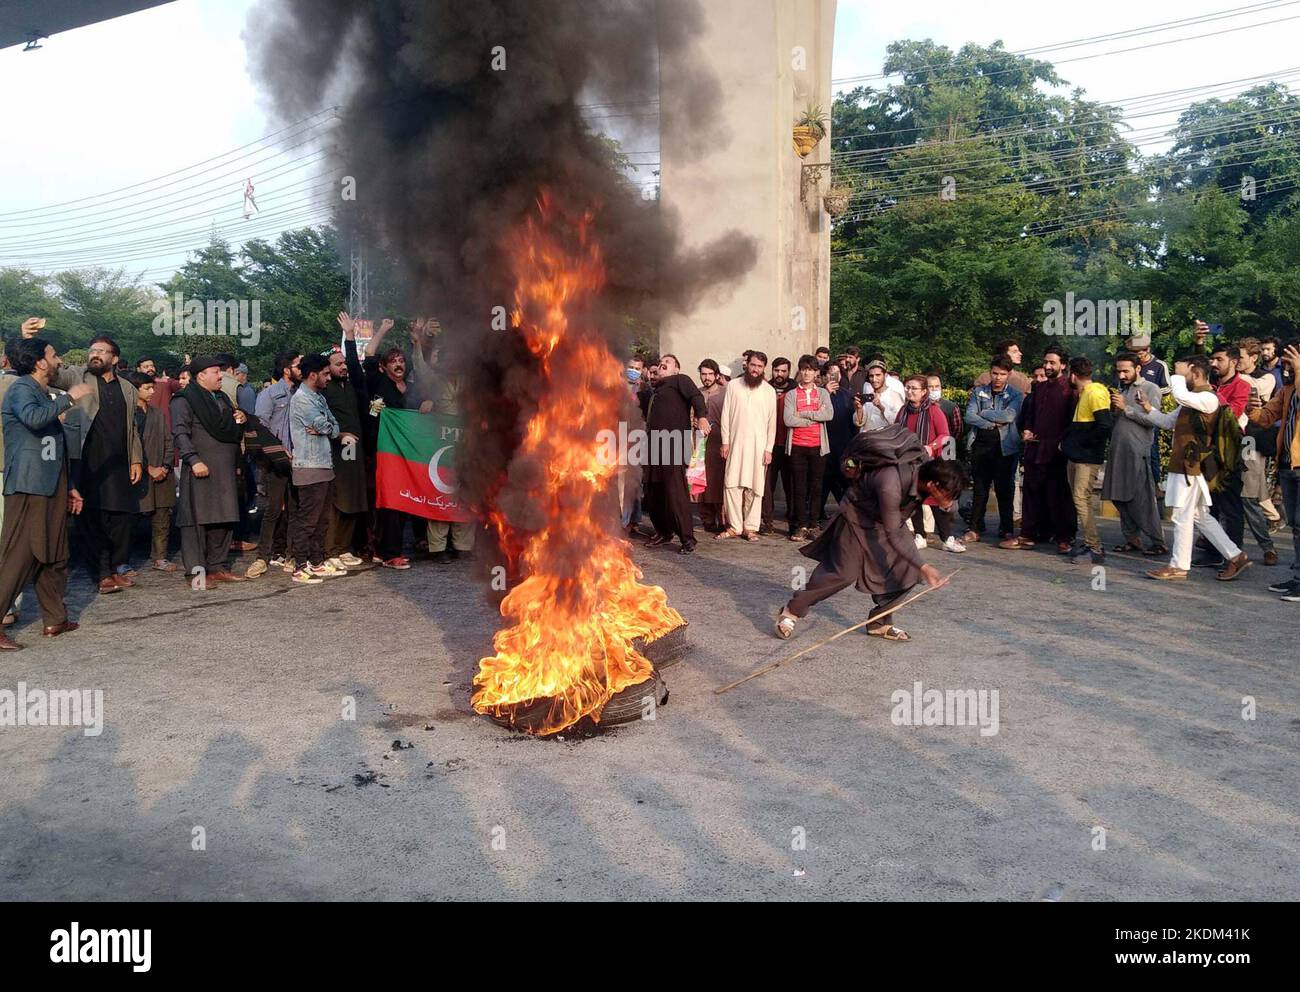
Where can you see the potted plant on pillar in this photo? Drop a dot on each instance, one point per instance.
(809, 129)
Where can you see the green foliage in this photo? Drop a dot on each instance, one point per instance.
(982, 193)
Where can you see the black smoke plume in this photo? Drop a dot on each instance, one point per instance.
(450, 153)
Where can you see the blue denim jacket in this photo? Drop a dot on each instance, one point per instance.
(309, 409)
(272, 409)
(35, 449)
(987, 410)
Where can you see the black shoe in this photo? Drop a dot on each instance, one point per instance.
(1293, 596)
(1286, 586)
(766, 529)
(658, 541)
(1099, 557)
(442, 557)
(1205, 561)
(688, 549)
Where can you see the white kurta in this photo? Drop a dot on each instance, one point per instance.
(748, 432)
(1178, 487)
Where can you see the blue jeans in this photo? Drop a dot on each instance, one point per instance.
(1290, 479)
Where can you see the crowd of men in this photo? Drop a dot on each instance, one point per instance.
(1050, 446)
(215, 466)
(288, 472)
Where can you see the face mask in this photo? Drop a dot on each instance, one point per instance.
(936, 394)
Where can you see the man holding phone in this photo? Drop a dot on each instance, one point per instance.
(1284, 411)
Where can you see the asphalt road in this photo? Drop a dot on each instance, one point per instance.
(1120, 710)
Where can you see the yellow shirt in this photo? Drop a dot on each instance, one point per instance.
(1094, 397)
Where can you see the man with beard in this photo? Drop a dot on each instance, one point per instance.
(855, 376)
(1128, 482)
(867, 544)
(38, 498)
(111, 461)
(387, 385)
(1233, 392)
(1270, 354)
(713, 389)
(779, 464)
(667, 496)
(206, 433)
(157, 490)
(748, 429)
(1049, 513)
(839, 432)
(1188, 493)
(313, 427)
(273, 411)
(346, 396)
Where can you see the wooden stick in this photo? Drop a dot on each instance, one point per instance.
(848, 630)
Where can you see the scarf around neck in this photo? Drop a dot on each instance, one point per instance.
(217, 420)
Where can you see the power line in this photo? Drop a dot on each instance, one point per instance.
(1083, 42)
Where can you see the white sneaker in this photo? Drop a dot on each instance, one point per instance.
(337, 563)
(325, 570)
(349, 560)
(277, 562)
(305, 578)
(290, 565)
(953, 545)
(920, 543)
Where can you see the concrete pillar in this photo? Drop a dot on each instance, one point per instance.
(772, 58)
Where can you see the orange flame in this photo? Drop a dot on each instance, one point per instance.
(580, 605)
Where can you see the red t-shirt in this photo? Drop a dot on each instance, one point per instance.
(1234, 393)
(807, 402)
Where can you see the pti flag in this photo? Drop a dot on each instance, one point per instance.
(415, 464)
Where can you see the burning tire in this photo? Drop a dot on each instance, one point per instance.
(627, 706)
(667, 650)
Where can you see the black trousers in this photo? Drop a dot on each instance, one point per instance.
(206, 548)
(780, 467)
(991, 468)
(668, 501)
(391, 526)
(833, 484)
(807, 468)
(310, 521)
(824, 585)
(943, 520)
(281, 497)
(1047, 503)
(108, 539)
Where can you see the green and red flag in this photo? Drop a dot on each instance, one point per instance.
(415, 464)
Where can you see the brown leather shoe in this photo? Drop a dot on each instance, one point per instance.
(1016, 544)
(66, 627)
(107, 585)
(7, 645)
(224, 576)
(242, 546)
(1234, 568)
(123, 582)
(1168, 573)
(970, 537)
(1270, 558)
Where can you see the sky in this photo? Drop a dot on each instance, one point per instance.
(163, 101)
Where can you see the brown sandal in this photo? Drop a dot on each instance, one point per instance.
(889, 633)
(724, 535)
